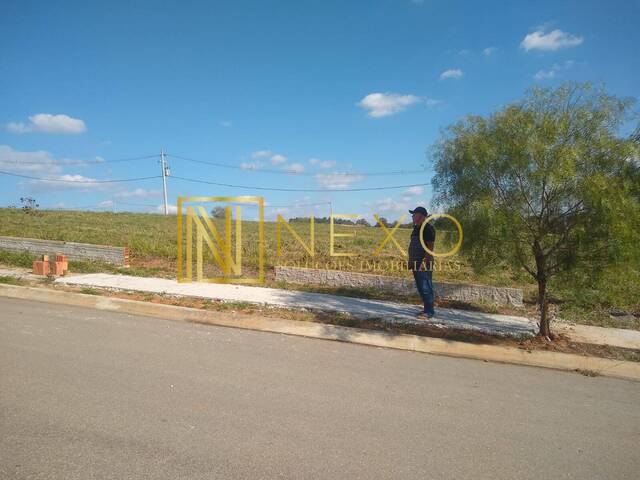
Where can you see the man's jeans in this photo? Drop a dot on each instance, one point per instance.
(425, 289)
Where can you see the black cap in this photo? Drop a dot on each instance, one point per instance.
(421, 210)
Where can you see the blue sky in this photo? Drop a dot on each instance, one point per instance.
(313, 88)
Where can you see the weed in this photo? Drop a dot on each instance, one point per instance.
(8, 280)
(90, 291)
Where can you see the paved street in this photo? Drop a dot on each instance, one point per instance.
(87, 394)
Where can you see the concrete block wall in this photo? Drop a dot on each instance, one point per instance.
(450, 291)
(73, 250)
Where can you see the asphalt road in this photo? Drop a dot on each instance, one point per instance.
(87, 394)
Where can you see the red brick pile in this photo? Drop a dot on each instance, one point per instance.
(56, 268)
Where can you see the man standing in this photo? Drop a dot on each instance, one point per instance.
(421, 261)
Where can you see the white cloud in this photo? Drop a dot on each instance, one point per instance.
(322, 163)
(554, 40)
(172, 209)
(414, 191)
(138, 193)
(295, 168)
(455, 73)
(384, 104)
(80, 179)
(544, 74)
(487, 52)
(278, 159)
(106, 203)
(261, 154)
(394, 208)
(431, 102)
(389, 205)
(251, 165)
(43, 165)
(280, 211)
(551, 73)
(337, 180)
(39, 161)
(48, 123)
(66, 182)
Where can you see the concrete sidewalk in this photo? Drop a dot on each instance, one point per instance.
(392, 312)
(614, 337)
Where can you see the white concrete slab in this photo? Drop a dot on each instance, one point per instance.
(358, 307)
(615, 337)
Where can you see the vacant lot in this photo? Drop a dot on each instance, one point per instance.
(152, 240)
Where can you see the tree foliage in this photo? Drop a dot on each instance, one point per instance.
(218, 212)
(545, 184)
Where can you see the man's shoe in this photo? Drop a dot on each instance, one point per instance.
(424, 316)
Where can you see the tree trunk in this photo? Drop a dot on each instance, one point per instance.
(543, 301)
(543, 304)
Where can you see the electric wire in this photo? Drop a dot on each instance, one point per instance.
(274, 189)
(75, 162)
(289, 172)
(82, 182)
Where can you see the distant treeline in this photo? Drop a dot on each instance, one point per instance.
(345, 221)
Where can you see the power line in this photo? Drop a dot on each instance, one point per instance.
(84, 182)
(285, 172)
(119, 202)
(98, 206)
(76, 162)
(83, 207)
(193, 180)
(298, 205)
(294, 205)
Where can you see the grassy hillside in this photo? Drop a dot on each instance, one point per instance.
(152, 241)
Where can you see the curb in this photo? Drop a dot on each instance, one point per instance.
(437, 346)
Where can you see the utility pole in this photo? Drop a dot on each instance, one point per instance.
(165, 171)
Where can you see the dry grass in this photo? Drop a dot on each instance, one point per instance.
(152, 242)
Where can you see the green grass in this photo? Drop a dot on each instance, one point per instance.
(90, 291)
(233, 305)
(16, 259)
(603, 299)
(152, 241)
(8, 280)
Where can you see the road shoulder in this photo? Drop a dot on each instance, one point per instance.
(437, 346)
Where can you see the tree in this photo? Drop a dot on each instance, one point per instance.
(543, 185)
(218, 212)
(29, 205)
(382, 221)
